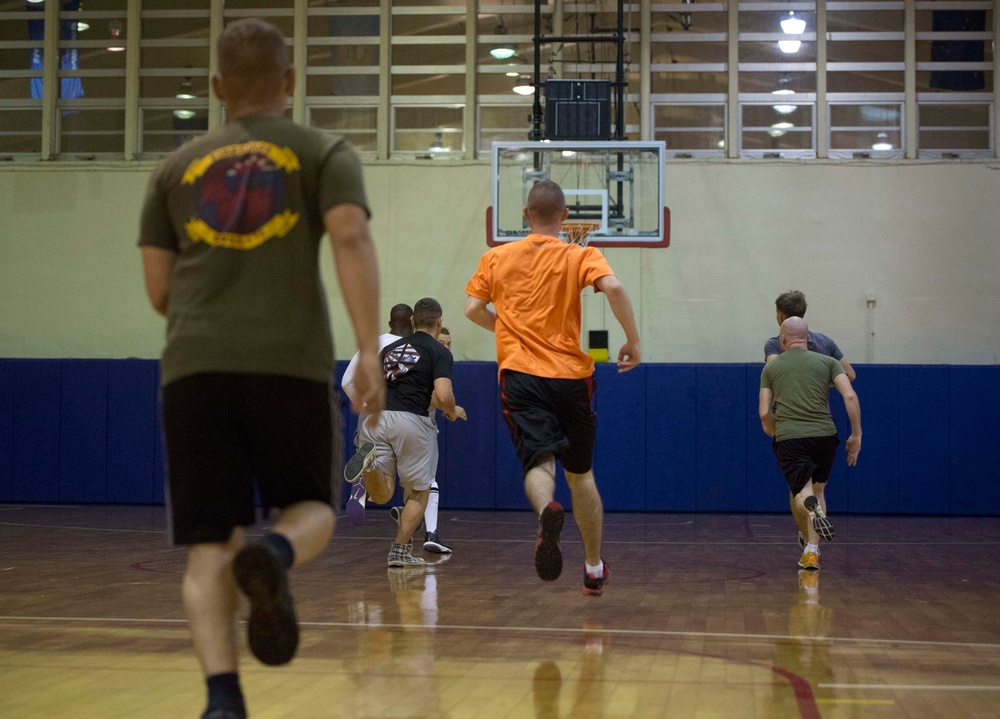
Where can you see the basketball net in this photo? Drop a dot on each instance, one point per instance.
(578, 233)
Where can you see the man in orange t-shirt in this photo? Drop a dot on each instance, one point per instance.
(546, 379)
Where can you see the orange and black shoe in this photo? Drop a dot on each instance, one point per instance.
(809, 561)
(593, 586)
(548, 556)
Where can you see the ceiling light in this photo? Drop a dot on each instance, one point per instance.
(789, 46)
(782, 126)
(775, 133)
(512, 73)
(784, 86)
(438, 144)
(81, 26)
(568, 153)
(792, 25)
(184, 91)
(503, 52)
(116, 32)
(184, 114)
(883, 142)
(524, 86)
(783, 109)
(721, 144)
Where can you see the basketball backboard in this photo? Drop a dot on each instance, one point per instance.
(617, 185)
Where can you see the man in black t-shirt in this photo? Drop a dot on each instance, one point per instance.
(403, 440)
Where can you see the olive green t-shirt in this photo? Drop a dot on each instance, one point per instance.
(800, 381)
(243, 209)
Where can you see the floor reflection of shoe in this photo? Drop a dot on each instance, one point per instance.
(545, 688)
(819, 521)
(402, 579)
(362, 461)
(548, 556)
(400, 556)
(594, 586)
(809, 561)
(223, 714)
(434, 545)
(356, 505)
(273, 630)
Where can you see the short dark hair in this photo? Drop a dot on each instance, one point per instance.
(253, 55)
(399, 319)
(546, 201)
(791, 304)
(426, 312)
(444, 331)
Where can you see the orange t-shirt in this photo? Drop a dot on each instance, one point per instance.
(534, 285)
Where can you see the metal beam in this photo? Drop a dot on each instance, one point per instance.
(300, 59)
(215, 26)
(133, 29)
(471, 55)
(50, 83)
(733, 100)
(910, 77)
(822, 117)
(382, 116)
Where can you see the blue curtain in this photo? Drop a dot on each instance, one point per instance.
(70, 87)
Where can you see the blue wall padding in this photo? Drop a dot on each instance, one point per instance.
(975, 439)
(924, 437)
(767, 490)
(721, 438)
(6, 428)
(874, 481)
(132, 408)
(467, 472)
(620, 455)
(670, 438)
(83, 431)
(35, 451)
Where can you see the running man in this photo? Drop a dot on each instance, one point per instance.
(230, 237)
(793, 304)
(403, 438)
(400, 326)
(546, 380)
(794, 408)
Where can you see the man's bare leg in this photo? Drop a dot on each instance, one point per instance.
(308, 527)
(540, 483)
(379, 486)
(588, 511)
(800, 510)
(540, 487)
(800, 516)
(413, 512)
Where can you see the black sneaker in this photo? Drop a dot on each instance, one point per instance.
(362, 461)
(593, 586)
(802, 541)
(273, 631)
(548, 556)
(434, 545)
(819, 521)
(223, 714)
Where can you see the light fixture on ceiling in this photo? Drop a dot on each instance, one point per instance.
(773, 132)
(789, 46)
(81, 26)
(116, 33)
(184, 114)
(721, 144)
(882, 142)
(184, 92)
(505, 51)
(512, 72)
(524, 86)
(569, 153)
(784, 86)
(784, 125)
(784, 109)
(792, 25)
(438, 144)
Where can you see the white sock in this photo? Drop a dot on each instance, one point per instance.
(431, 513)
(595, 571)
(811, 548)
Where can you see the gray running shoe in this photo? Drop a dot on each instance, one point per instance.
(363, 461)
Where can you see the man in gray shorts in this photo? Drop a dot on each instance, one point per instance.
(794, 408)
(793, 304)
(403, 439)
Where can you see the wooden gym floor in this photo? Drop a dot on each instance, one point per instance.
(705, 616)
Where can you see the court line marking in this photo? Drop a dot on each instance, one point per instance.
(856, 701)
(918, 687)
(559, 630)
(529, 523)
(568, 540)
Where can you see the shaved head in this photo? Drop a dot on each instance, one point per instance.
(253, 60)
(794, 331)
(400, 320)
(546, 203)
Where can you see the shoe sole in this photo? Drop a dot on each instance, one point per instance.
(548, 556)
(409, 563)
(820, 522)
(808, 567)
(273, 630)
(356, 465)
(435, 548)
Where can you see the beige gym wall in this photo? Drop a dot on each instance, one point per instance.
(922, 238)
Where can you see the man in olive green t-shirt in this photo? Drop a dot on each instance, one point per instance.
(794, 409)
(230, 237)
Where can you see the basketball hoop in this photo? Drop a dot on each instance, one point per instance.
(578, 233)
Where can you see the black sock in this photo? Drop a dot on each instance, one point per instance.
(281, 548)
(224, 692)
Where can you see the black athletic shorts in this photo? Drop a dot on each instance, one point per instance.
(806, 458)
(228, 434)
(550, 415)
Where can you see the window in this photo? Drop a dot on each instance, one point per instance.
(21, 83)
(428, 132)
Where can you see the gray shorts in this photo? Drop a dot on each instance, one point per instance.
(405, 443)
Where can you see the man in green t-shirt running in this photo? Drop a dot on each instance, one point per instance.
(795, 410)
